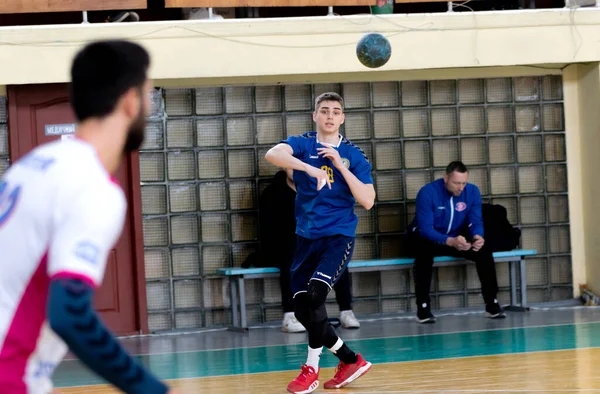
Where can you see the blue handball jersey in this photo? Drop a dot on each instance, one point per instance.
(326, 212)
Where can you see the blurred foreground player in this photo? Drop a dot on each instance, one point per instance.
(326, 227)
(60, 215)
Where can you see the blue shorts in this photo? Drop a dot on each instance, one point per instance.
(323, 259)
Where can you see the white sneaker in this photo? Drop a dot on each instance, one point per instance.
(348, 320)
(291, 324)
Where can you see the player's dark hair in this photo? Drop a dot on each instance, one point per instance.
(102, 72)
(457, 166)
(329, 96)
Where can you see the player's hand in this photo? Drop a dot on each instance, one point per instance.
(462, 244)
(478, 242)
(333, 155)
(459, 243)
(174, 391)
(321, 175)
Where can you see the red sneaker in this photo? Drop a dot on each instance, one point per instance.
(347, 373)
(306, 382)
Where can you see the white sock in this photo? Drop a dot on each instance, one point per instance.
(337, 346)
(313, 358)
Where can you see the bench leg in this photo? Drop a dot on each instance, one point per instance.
(234, 306)
(243, 304)
(237, 284)
(523, 284)
(512, 272)
(516, 306)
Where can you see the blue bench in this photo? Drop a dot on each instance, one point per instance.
(516, 259)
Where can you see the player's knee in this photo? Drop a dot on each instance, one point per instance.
(301, 307)
(483, 256)
(317, 294)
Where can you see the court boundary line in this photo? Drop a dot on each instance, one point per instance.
(360, 339)
(404, 362)
(390, 363)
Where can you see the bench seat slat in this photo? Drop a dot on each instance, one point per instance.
(373, 263)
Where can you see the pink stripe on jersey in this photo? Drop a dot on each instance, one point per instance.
(21, 338)
(116, 182)
(74, 275)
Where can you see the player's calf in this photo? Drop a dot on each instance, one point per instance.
(301, 309)
(308, 379)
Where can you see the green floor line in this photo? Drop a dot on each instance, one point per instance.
(376, 350)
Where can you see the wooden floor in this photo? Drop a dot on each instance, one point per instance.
(543, 351)
(564, 371)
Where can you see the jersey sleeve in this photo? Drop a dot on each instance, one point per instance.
(474, 216)
(297, 143)
(425, 212)
(86, 229)
(363, 168)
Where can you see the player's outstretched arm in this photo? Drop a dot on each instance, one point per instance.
(282, 155)
(72, 317)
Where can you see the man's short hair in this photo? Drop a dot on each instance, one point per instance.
(329, 96)
(102, 72)
(457, 166)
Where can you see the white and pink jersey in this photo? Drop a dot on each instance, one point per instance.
(60, 215)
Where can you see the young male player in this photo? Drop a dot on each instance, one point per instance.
(326, 227)
(60, 215)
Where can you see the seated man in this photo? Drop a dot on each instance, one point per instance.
(447, 211)
(277, 235)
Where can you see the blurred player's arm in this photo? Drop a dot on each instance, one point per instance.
(72, 317)
(282, 155)
(85, 232)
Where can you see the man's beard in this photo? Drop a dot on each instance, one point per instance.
(135, 136)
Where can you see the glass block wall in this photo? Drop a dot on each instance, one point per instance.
(4, 159)
(203, 168)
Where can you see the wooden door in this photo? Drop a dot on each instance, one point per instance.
(37, 6)
(121, 298)
(266, 3)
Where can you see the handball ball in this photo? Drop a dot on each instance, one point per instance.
(373, 50)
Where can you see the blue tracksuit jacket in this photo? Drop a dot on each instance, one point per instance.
(440, 215)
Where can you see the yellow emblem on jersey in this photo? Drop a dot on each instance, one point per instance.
(329, 172)
(346, 162)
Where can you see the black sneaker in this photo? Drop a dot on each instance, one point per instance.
(494, 311)
(424, 315)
